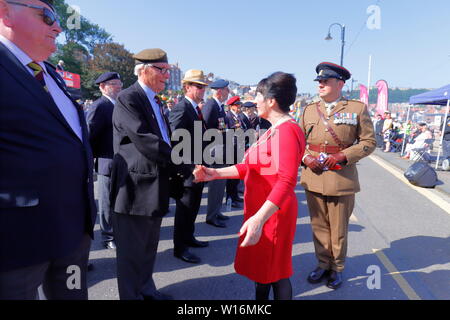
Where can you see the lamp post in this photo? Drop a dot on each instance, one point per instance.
(329, 37)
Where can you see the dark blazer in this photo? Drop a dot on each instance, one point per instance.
(142, 164)
(183, 116)
(99, 119)
(211, 114)
(246, 124)
(233, 122)
(46, 187)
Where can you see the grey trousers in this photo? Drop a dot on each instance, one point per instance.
(137, 241)
(60, 279)
(216, 192)
(445, 149)
(104, 207)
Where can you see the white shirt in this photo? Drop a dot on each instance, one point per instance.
(331, 105)
(156, 110)
(64, 104)
(219, 103)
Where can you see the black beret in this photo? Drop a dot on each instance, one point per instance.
(219, 84)
(249, 104)
(327, 70)
(151, 56)
(107, 76)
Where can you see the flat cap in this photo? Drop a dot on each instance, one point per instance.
(219, 84)
(234, 100)
(327, 70)
(106, 77)
(151, 56)
(249, 104)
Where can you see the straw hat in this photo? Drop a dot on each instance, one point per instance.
(194, 76)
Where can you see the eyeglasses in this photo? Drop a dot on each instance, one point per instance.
(162, 70)
(48, 16)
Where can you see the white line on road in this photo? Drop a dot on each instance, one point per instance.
(432, 196)
(401, 281)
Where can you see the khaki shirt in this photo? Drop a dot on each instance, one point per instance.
(351, 122)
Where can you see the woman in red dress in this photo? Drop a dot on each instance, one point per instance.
(270, 172)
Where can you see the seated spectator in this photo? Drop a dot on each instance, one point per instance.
(419, 141)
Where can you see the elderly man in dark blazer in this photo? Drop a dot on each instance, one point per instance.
(214, 114)
(47, 208)
(140, 176)
(188, 116)
(99, 118)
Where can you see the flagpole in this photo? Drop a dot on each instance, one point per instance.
(368, 80)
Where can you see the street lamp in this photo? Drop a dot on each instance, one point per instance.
(329, 37)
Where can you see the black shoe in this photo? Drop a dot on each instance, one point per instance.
(198, 244)
(222, 217)
(335, 280)
(238, 199)
(186, 256)
(237, 205)
(157, 296)
(216, 223)
(318, 275)
(109, 244)
(90, 266)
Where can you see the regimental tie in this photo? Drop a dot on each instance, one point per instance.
(200, 114)
(38, 73)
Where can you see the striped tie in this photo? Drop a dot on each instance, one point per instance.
(38, 73)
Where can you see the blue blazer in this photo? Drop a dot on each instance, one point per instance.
(99, 119)
(46, 188)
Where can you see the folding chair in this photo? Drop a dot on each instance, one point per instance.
(422, 154)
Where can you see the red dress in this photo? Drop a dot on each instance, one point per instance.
(270, 172)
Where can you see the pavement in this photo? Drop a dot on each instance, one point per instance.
(402, 164)
(393, 230)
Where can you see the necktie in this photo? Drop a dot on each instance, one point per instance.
(161, 112)
(200, 114)
(38, 73)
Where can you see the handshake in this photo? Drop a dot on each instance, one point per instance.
(325, 162)
(204, 174)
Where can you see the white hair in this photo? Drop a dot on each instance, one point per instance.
(139, 68)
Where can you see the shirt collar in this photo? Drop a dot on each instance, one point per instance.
(192, 102)
(19, 53)
(149, 92)
(110, 99)
(218, 102)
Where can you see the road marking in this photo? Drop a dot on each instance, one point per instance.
(433, 197)
(401, 281)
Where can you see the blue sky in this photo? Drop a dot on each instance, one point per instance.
(246, 40)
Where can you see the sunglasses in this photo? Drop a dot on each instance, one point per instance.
(198, 86)
(48, 16)
(162, 70)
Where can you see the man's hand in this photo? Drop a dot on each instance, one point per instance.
(334, 159)
(313, 164)
(204, 174)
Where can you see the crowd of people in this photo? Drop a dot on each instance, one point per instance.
(146, 153)
(413, 141)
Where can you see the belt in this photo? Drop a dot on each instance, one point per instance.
(326, 148)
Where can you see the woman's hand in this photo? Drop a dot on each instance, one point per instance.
(252, 229)
(204, 174)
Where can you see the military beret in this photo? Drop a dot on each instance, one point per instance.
(151, 56)
(219, 84)
(107, 76)
(327, 70)
(234, 100)
(249, 104)
(49, 3)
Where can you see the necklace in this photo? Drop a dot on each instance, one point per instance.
(268, 134)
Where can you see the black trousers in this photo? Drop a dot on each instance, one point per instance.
(185, 215)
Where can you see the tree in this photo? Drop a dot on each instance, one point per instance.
(86, 33)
